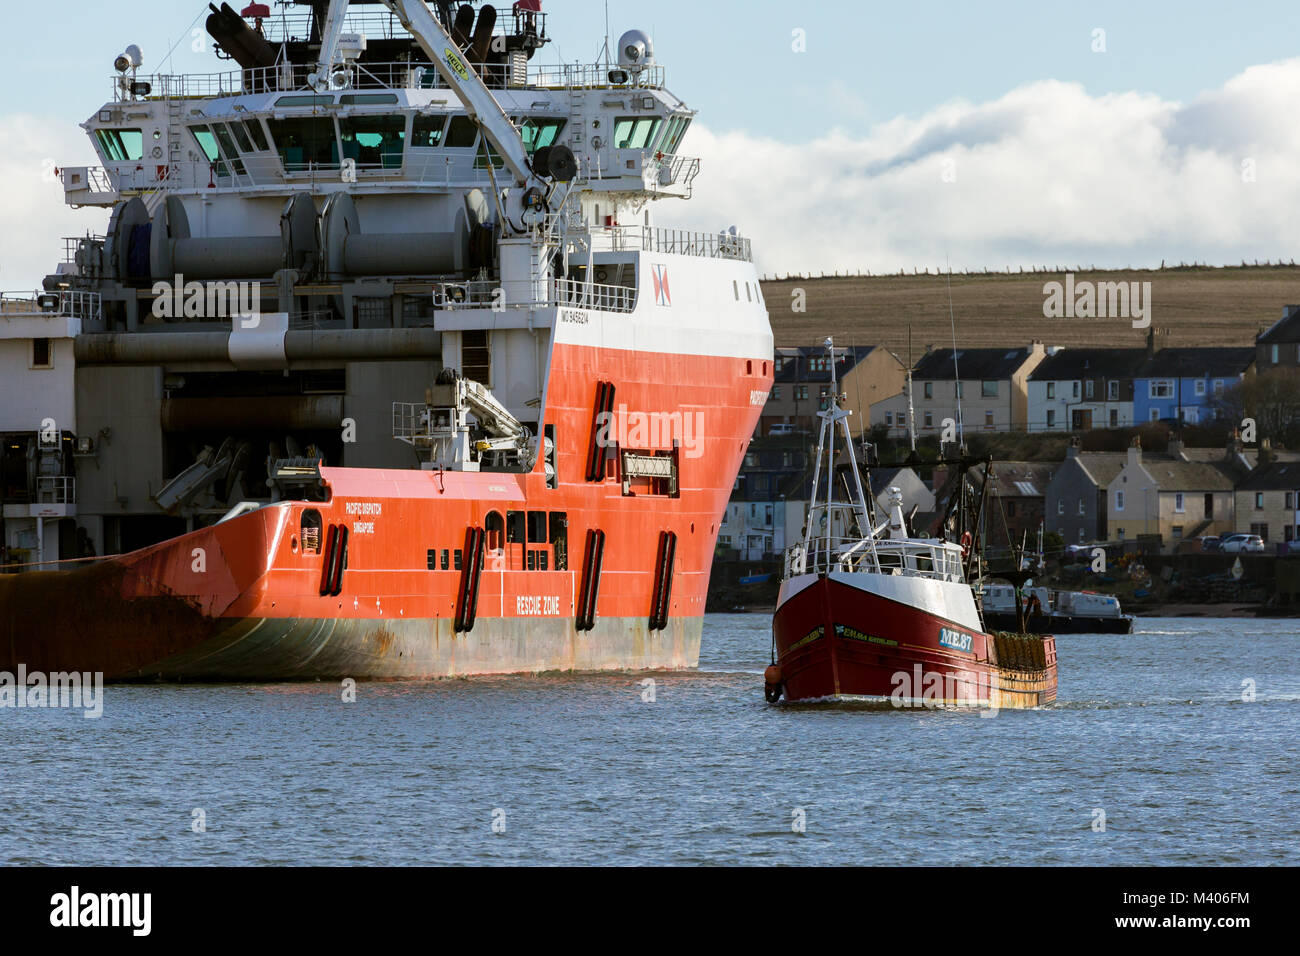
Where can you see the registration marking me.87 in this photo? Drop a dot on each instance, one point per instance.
(957, 640)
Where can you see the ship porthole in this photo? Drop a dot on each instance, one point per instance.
(692, 527)
(293, 543)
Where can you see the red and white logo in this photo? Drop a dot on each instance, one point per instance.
(662, 297)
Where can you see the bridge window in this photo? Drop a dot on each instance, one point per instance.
(674, 133)
(241, 137)
(121, 145)
(538, 132)
(305, 141)
(254, 129)
(462, 133)
(207, 142)
(374, 141)
(228, 147)
(634, 132)
(368, 99)
(428, 131)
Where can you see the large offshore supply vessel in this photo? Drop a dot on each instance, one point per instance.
(381, 367)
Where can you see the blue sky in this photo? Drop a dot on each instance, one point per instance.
(865, 63)
(840, 157)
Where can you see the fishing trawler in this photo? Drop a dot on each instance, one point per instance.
(868, 611)
(471, 411)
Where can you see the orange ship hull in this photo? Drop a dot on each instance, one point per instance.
(380, 579)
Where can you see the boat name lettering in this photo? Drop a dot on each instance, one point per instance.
(365, 508)
(955, 639)
(574, 317)
(537, 605)
(843, 630)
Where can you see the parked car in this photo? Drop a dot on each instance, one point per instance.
(1242, 544)
(1204, 544)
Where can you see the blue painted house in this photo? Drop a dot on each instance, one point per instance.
(1182, 384)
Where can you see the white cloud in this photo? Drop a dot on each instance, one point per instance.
(33, 217)
(1045, 175)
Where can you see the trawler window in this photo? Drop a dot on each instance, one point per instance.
(304, 142)
(374, 141)
(537, 133)
(368, 99)
(428, 131)
(254, 128)
(634, 132)
(462, 133)
(121, 145)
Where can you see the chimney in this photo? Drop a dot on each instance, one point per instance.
(1073, 450)
(1265, 450)
(1175, 446)
(1135, 451)
(1235, 446)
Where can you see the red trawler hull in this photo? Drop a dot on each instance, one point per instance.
(836, 640)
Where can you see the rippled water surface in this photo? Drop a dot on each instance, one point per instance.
(1150, 728)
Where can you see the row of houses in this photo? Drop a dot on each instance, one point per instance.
(1030, 388)
(1163, 499)
(1160, 500)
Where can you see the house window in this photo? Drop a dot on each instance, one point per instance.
(1261, 530)
(1074, 391)
(42, 355)
(800, 391)
(1051, 390)
(1259, 501)
(1290, 499)
(929, 419)
(1082, 508)
(988, 389)
(1178, 502)
(1087, 388)
(988, 419)
(1051, 417)
(1112, 391)
(1114, 418)
(1218, 386)
(889, 418)
(902, 420)
(1161, 388)
(1177, 531)
(1200, 386)
(1011, 509)
(776, 393)
(929, 389)
(1119, 532)
(1209, 506)
(1119, 501)
(1155, 415)
(1273, 354)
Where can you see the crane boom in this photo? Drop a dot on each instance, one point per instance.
(469, 87)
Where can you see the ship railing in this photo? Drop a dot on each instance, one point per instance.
(594, 76)
(410, 421)
(71, 303)
(72, 244)
(664, 170)
(674, 241)
(56, 490)
(561, 293)
(937, 561)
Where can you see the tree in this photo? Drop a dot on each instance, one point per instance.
(1272, 399)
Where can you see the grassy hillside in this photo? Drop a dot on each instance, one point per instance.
(1190, 306)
